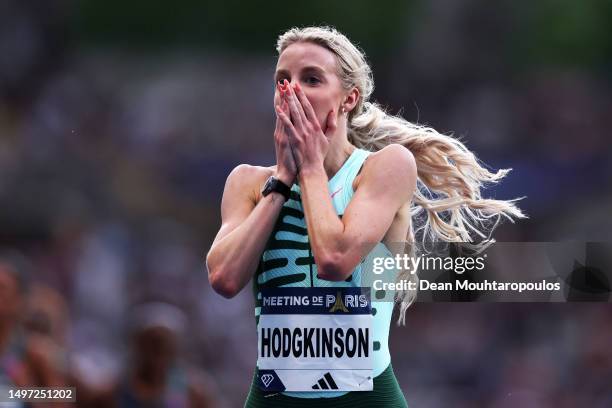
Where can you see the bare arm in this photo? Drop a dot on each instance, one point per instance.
(246, 222)
(338, 245)
(245, 228)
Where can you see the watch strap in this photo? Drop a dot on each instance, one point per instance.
(274, 184)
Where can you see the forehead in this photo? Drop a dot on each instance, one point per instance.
(306, 54)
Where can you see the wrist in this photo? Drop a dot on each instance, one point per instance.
(285, 178)
(275, 185)
(310, 170)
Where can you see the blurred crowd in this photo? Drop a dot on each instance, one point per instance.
(112, 166)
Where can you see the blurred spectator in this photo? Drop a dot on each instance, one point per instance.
(12, 295)
(155, 374)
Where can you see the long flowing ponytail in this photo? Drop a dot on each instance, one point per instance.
(450, 177)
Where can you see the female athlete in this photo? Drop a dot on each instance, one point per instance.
(348, 182)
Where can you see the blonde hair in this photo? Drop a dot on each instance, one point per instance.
(450, 176)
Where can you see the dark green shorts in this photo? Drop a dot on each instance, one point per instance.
(386, 394)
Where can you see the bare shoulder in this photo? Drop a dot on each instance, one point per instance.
(393, 163)
(248, 173)
(392, 170)
(248, 178)
(393, 158)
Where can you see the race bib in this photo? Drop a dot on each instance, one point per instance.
(315, 339)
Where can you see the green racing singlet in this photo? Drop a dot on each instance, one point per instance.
(287, 262)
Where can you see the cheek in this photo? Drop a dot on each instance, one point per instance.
(321, 104)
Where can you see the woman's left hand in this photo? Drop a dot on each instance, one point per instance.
(310, 143)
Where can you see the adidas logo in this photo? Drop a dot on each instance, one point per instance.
(325, 383)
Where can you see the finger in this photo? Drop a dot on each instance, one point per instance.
(331, 123)
(285, 91)
(280, 90)
(287, 112)
(298, 103)
(289, 128)
(308, 110)
(294, 109)
(287, 132)
(281, 104)
(284, 108)
(284, 105)
(278, 126)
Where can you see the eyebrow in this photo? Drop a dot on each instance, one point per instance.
(309, 68)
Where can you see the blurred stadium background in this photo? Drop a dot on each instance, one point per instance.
(119, 122)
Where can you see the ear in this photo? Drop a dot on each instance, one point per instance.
(351, 99)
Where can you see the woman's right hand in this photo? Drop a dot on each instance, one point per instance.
(286, 168)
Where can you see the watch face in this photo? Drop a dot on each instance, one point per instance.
(274, 185)
(268, 186)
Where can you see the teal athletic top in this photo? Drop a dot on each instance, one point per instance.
(287, 262)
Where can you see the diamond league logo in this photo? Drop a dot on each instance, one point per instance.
(269, 381)
(266, 379)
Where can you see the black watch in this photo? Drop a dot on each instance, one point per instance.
(274, 184)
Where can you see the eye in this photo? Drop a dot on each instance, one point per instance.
(280, 80)
(312, 80)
